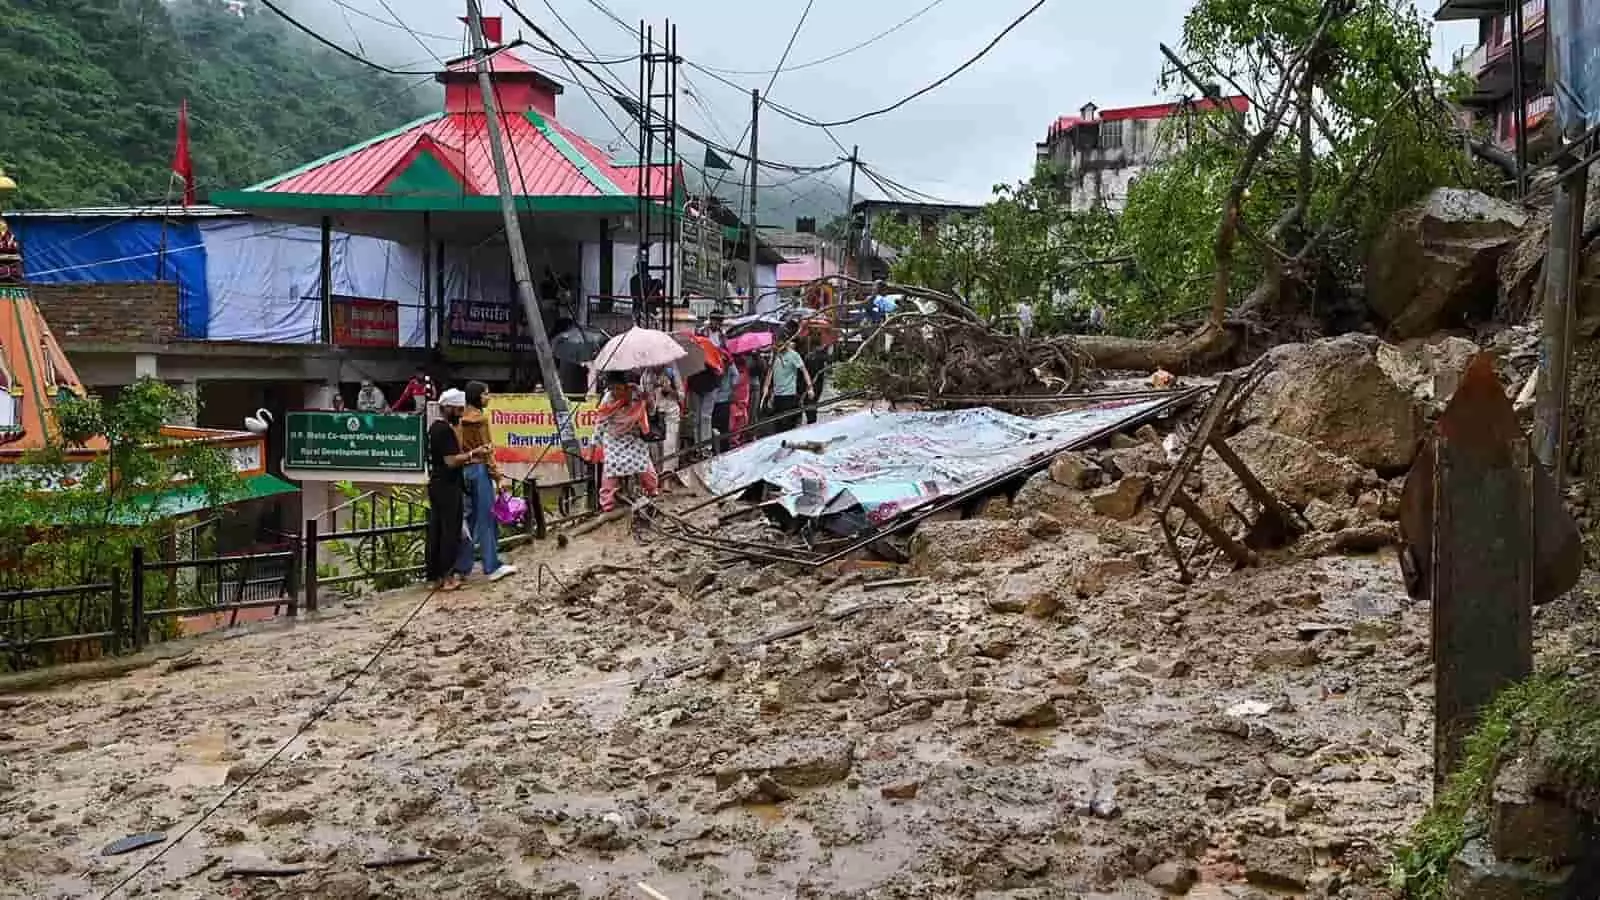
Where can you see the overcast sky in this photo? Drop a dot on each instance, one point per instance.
(954, 143)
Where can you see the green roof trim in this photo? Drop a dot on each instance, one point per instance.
(341, 154)
(573, 155)
(249, 200)
(179, 501)
(426, 176)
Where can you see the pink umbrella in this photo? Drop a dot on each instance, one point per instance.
(638, 348)
(751, 342)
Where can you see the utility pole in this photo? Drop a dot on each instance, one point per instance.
(849, 211)
(755, 171)
(567, 433)
(1561, 267)
(1519, 95)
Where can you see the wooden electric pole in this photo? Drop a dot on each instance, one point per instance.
(849, 212)
(755, 172)
(567, 433)
(1561, 270)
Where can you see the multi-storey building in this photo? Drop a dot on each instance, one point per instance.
(1095, 155)
(870, 256)
(1490, 65)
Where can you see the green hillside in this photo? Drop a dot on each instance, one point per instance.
(90, 89)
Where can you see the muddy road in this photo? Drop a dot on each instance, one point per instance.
(1049, 714)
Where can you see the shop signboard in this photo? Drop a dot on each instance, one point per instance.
(361, 322)
(354, 441)
(476, 325)
(523, 428)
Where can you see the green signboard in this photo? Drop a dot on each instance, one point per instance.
(357, 441)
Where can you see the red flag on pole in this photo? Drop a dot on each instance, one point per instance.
(492, 30)
(182, 165)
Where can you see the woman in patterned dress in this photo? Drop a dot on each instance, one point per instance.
(624, 420)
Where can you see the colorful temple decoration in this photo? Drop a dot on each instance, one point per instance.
(36, 377)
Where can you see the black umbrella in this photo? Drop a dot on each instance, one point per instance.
(578, 344)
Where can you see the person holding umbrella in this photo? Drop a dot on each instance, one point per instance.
(624, 420)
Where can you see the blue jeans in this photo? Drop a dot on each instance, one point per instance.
(480, 520)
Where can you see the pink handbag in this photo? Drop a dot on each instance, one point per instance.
(509, 509)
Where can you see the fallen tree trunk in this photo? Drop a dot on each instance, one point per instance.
(1201, 351)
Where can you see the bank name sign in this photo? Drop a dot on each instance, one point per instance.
(354, 441)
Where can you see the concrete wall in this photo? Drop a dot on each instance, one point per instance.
(133, 313)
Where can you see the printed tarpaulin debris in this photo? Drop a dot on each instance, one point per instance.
(889, 462)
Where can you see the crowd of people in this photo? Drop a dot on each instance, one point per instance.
(647, 421)
(640, 426)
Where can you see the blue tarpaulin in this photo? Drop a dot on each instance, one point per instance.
(1575, 31)
(125, 250)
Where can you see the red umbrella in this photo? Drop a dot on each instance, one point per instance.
(715, 360)
(694, 360)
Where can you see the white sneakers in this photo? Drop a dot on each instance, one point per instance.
(505, 571)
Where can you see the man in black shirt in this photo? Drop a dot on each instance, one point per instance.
(446, 493)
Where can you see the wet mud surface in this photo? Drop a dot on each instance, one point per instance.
(1049, 714)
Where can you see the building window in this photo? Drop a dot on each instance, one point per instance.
(1111, 135)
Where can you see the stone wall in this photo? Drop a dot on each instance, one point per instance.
(1539, 844)
(113, 313)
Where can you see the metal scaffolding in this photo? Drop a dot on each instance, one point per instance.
(657, 264)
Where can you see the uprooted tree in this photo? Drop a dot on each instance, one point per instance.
(1262, 217)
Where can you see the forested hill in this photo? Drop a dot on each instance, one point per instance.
(90, 89)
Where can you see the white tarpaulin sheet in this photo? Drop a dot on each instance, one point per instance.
(889, 462)
(264, 280)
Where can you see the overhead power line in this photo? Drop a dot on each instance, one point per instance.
(880, 179)
(394, 23)
(802, 118)
(415, 36)
(931, 87)
(344, 51)
(787, 48)
(625, 97)
(823, 60)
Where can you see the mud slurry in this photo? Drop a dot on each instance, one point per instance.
(1136, 742)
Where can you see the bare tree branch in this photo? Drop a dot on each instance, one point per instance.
(1282, 99)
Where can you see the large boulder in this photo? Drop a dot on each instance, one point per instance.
(1437, 265)
(1430, 369)
(1292, 469)
(1333, 394)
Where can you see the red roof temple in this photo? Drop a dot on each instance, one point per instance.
(442, 163)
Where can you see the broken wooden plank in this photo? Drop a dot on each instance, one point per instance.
(891, 583)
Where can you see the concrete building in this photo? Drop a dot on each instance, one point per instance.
(1095, 155)
(1489, 63)
(870, 256)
